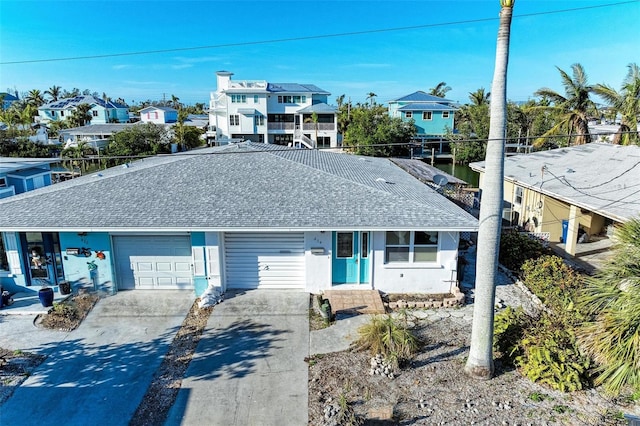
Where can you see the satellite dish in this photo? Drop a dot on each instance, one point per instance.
(440, 180)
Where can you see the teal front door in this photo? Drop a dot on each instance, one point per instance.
(350, 258)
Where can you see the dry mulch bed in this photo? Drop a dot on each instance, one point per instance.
(15, 367)
(68, 314)
(163, 391)
(434, 390)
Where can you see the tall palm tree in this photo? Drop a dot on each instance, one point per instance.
(53, 92)
(372, 98)
(175, 101)
(34, 98)
(479, 97)
(574, 106)
(480, 361)
(440, 90)
(627, 103)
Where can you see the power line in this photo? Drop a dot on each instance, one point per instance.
(311, 37)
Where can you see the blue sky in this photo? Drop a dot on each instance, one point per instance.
(389, 63)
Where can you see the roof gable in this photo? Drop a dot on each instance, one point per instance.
(421, 96)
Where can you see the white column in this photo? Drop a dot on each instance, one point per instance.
(572, 232)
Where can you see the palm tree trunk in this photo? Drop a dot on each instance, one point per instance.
(480, 361)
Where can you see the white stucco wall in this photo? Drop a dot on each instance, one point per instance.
(318, 266)
(417, 277)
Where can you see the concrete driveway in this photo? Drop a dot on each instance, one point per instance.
(249, 366)
(97, 374)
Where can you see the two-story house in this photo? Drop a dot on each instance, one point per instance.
(101, 112)
(277, 113)
(432, 116)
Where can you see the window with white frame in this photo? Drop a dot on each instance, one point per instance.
(517, 199)
(259, 120)
(411, 247)
(234, 120)
(255, 99)
(408, 114)
(427, 115)
(445, 114)
(238, 99)
(285, 99)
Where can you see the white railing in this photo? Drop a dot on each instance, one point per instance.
(543, 237)
(280, 126)
(321, 126)
(303, 140)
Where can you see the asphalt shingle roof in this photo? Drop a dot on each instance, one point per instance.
(599, 177)
(240, 187)
(420, 96)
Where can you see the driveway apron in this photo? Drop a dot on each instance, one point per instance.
(98, 374)
(249, 366)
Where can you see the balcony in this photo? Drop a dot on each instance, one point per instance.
(281, 126)
(309, 127)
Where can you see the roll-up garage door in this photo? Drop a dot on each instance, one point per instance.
(264, 260)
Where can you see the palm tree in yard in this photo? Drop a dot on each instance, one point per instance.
(53, 92)
(372, 98)
(612, 299)
(480, 361)
(80, 115)
(440, 90)
(480, 97)
(574, 106)
(627, 103)
(34, 98)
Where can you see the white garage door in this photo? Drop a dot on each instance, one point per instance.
(264, 260)
(153, 262)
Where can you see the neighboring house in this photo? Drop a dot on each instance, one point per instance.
(8, 99)
(101, 112)
(275, 113)
(242, 216)
(96, 135)
(158, 115)
(566, 192)
(18, 175)
(433, 116)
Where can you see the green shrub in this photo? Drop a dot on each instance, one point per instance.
(508, 330)
(553, 281)
(550, 355)
(389, 336)
(516, 248)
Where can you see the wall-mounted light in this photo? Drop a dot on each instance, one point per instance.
(82, 234)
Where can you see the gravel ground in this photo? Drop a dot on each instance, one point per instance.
(434, 390)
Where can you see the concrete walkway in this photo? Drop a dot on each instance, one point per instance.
(98, 373)
(249, 366)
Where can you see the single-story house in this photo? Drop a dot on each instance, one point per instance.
(18, 175)
(567, 192)
(247, 215)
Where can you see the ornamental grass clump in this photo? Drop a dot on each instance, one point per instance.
(390, 336)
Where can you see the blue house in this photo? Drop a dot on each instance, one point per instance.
(432, 116)
(8, 99)
(102, 111)
(18, 175)
(239, 216)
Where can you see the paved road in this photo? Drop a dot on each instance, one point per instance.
(249, 366)
(97, 374)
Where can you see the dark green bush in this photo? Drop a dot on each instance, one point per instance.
(554, 282)
(516, 248)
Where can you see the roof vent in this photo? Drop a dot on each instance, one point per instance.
(383, 180)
